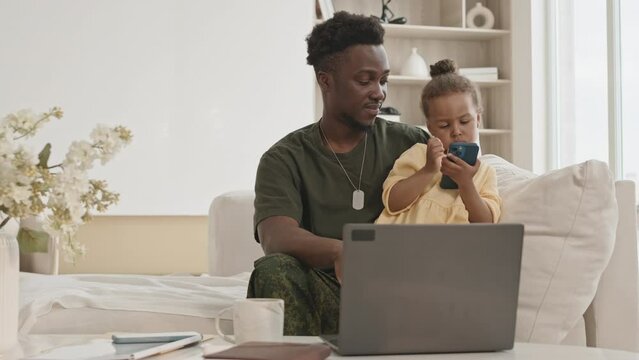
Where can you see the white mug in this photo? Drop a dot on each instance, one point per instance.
(255, 320)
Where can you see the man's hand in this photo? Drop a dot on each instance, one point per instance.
(458, 170)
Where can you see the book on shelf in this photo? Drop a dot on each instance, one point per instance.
(480, 74)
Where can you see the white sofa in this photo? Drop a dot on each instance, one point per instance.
(103, 303)
(611, 321)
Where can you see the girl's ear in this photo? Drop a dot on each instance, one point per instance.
(325, 81)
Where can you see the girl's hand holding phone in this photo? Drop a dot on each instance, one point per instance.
(457, 169)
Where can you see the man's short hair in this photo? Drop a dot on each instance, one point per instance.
(330, 38)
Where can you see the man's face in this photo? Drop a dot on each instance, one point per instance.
(359, 85)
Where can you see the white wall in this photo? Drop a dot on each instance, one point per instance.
(206, 87)
(529, 84)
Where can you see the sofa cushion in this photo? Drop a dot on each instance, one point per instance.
(570, 218)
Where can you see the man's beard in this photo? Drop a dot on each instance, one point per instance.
(354, 124)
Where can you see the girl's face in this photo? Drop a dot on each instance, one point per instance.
(453, 118)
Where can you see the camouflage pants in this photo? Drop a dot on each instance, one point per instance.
(311, 296)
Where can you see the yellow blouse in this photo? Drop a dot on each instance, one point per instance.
(436, 205)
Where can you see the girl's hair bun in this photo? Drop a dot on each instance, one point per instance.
(443, 67)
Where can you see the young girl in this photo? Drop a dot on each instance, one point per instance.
(411, 193)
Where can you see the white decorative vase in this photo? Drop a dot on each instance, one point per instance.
(480, 17)
(415, 66)
(9, 289)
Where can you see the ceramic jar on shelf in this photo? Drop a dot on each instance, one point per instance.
(415, 66)
(480, 17)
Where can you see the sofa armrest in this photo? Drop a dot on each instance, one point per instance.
(232, 248)
(612, 318)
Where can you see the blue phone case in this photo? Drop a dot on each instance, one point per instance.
(467, 152)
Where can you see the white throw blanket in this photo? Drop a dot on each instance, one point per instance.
(202, 296)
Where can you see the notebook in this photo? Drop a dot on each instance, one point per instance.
(273, 351)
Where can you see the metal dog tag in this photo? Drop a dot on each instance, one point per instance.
(358, 199)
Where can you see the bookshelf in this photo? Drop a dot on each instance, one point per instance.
(437, 28)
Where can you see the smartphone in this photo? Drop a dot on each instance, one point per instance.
(465, 151)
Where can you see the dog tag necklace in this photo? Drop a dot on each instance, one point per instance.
(358, 194)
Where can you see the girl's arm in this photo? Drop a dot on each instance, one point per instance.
(404, 192)
(407, 190)
(478, 210)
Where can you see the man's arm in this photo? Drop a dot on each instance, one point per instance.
(282, 234)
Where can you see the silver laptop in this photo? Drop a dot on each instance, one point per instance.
(410, 289)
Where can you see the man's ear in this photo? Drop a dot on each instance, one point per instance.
(325, 81)
(478, 120)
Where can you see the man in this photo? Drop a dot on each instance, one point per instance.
(322, 176)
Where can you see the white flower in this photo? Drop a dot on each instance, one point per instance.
(68, 188)
(6, 133)
(7, 146)
(71, 249)
(24, 161)
(20, 194)
(50, 227)
(77, 210)
(24, 118)
(72, 180)
(15, 194)
(81, 155)
(7, 172)
(23, 121)
(107, 141)
(6, 200)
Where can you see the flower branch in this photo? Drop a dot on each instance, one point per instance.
(62, 193)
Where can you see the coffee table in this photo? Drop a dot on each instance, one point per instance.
(31, 345)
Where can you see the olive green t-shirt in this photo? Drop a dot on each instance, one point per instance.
(299, 177)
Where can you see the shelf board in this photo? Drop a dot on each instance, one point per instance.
(410, 80)
(484, 132)
(490, 132)
(443, 32)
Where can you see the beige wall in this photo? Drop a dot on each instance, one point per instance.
(142, 245)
